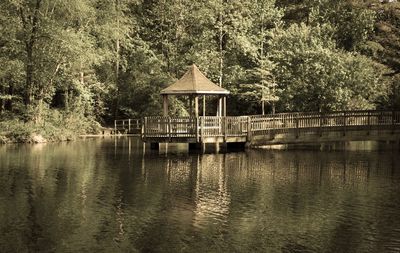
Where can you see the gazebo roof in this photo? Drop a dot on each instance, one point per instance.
(194, 82)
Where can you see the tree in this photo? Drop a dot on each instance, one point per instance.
(11, 64)
(315, 76)
(352, 23)
(114, 31)
(267, 18)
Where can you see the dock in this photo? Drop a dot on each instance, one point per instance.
(260, 130)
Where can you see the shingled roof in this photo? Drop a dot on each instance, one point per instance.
(194, 82)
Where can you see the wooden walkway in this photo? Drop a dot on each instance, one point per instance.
(283, 128)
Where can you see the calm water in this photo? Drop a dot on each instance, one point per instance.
(108, 196)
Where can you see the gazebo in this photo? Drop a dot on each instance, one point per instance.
(194, 84)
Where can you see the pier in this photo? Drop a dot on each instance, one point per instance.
(259, 130)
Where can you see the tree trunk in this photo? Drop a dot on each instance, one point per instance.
(29, 74)
(165, 50)
(66, 100)
(29, 46)
(117, 49)
(38, 117)
(1, 100)
(262, 107)
(8, 105)
(262, 35)
(221, 55)
(221, 48)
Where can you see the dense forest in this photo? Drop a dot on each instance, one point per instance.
(69, 66)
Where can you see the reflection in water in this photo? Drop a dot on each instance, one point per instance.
(113, 195)
(212, 196)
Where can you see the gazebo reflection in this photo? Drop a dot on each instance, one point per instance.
(212, 196)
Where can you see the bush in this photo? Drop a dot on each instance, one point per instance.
(53, 126)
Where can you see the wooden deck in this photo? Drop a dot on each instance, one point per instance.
(283, 128)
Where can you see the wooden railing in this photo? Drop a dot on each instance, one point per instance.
(167, 127)
(127, 125)
(210, 126)
(248, 126)
(334, 121)
(236, 126)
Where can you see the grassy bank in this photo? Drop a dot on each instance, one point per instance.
(52, 127)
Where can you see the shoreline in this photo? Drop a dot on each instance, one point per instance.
(36, 139)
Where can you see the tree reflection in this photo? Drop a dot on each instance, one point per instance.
(109, 195)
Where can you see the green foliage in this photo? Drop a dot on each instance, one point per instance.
(386, 43)
(352, 25)
(56, 126)
(97, 60)
(315, 76)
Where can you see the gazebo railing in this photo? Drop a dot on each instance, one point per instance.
(189, 127)
(167, 127)
(210, 126)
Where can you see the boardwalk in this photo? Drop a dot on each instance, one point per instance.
(283, 128)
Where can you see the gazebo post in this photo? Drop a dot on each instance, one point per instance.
(196, 106)
(224, 106)
(165, 105)
(204, 105)
(190, 106)
(219, 110)
(263, 107)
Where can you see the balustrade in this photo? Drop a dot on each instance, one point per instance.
(246, 126)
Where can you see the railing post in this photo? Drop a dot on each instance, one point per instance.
(321, 118)
(344, 123)
(369, 121)
(273, 130)
(115, 126)
(144, 129)
(197, 128)
(393, 121)
(129, 125)
(169, 132)
(224, 122)
(297, 125)
(202, 128)
(249, 129)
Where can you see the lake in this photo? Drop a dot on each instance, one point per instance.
(111, 195)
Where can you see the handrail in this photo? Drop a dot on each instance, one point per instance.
(255, 125)
(127, 125)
